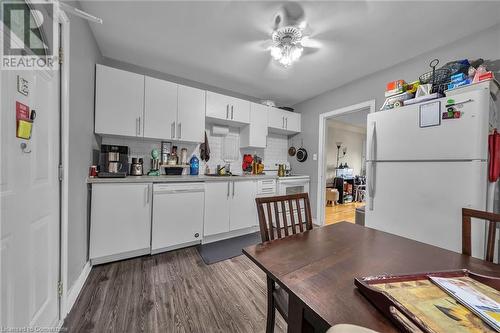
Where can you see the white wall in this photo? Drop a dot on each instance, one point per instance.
(84, 54)
(352, 138)
(485, 44)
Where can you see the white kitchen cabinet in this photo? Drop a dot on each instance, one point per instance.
(283, 122)
(191, 114)
(243, 210)
(255, 134)
(160, 108)
(227, 110)
(177, 215)
(120, 225)
(119, 102)
(217, 205)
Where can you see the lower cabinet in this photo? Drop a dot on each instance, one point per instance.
(177, 215)
(120, 225)
(229, 206)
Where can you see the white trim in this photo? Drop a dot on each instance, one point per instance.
(320, 198)
(73, 293)
(229, 234)
(64, 20)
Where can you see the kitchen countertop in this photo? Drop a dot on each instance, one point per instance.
(183, 178)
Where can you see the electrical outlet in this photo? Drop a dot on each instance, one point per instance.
(315, 157)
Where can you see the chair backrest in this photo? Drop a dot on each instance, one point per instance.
(493, 219)
(282, 211)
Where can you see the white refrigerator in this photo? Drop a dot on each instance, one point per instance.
(423, 169)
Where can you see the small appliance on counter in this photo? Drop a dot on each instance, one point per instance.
(113, 161)
(137, 167)
(155, 163)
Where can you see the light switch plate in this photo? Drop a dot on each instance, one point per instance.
(22, 85)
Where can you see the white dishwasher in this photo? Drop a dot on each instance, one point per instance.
(177, 215)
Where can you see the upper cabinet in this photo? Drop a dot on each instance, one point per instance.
(191, 114)
(227, 110)
(160, 109)
(119, 102)
(283, 122)
(255, 134)
(129, 104)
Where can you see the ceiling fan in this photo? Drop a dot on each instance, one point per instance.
(290, 35)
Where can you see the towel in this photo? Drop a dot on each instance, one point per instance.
(205, 149)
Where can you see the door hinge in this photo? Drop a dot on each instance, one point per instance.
(61, 172)
(59, 288)
(61, 54)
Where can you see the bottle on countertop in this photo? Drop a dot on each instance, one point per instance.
(194, 166)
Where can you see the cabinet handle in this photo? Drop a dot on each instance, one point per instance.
(139, 125)
(286, 123)
(233, 189)
(172, 130)
(283, 122)
(232, 107)
(227, 111)
(147, 194)
(180, 129)
(228, 184)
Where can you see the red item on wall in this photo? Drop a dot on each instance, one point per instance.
(494, 150)
(22, 111)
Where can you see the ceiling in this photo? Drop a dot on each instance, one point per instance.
(223, 43)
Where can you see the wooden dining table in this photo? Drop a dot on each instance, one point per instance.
(317, 268)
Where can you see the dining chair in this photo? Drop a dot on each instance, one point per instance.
(493, 219)
(279, 217)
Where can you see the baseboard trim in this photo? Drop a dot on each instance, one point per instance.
(77, 287)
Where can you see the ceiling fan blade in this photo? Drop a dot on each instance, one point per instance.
(310, 43)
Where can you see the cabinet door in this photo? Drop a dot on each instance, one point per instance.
(218, 106)
(191, 114)
(239, 111)
(119, 102)
(255, 134)
(120, 219)
(276, 118)
(292, 121)
(160, 109)
(243, 208)
(216, 208)
(177, 219)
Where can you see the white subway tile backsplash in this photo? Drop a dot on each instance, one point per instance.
(221, 148)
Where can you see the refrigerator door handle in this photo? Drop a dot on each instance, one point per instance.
(373, 143)
(370, 184)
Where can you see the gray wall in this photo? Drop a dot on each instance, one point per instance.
(172, 78)
(484, 45)
(84, 54)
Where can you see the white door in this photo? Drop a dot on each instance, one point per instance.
(217, 203)
(191, 114)
(424, 200)
(119, 102)
(292, 122)
(218, 106)
(397, 135)
(160, 109)
(120, 220)
(276, 118)
(29, 189)
(177, 215)
(240, 111)
(243, 208)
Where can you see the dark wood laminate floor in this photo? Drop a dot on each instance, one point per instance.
(172, 292)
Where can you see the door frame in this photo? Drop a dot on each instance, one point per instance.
(323, 117)
(64, 142)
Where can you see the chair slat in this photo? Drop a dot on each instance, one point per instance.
(492, 218)
(490, 245)
(292, 216)
(283, 214)
(270, 221)
(278, 224)
(299, 213)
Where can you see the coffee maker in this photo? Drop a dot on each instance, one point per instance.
(113, 161)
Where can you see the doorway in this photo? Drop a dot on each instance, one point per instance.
(341, 163)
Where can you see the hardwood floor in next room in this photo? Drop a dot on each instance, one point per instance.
(172, 292)
(345, 212)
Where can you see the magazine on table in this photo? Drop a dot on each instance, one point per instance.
(483, 306)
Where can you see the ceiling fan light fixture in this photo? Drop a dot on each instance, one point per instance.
(287, 46)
